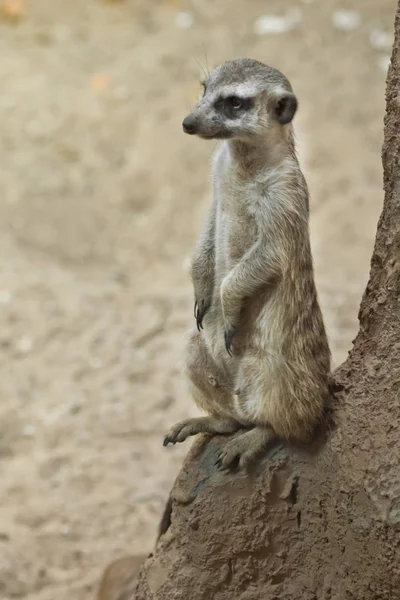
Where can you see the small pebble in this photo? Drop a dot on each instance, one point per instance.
(381, 40)
(29, 431)
(12, 10)
(273, 24)
(346, 20)
(24, 344)
(184, 20)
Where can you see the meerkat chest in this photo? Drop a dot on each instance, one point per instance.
(236, 213)
(236, 196)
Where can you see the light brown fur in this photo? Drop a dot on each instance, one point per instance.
(253, 275)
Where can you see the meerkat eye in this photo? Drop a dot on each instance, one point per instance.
(235, 102)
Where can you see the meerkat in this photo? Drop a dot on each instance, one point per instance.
(259, 359)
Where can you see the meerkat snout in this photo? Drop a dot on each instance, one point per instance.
(189, 125)
(242, 99)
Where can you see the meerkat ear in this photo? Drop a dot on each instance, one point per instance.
(285, 107)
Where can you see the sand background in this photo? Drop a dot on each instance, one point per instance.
(102, 198)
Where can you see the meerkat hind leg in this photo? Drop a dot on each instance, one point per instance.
(245, 448)
(212, 424)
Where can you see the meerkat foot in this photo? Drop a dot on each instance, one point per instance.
(244, 449)
(213, 425)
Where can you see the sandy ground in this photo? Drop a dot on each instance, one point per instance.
(102, 197)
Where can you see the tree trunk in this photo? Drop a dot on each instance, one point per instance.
(322, 524)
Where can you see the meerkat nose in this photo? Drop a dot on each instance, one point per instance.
(189, 125)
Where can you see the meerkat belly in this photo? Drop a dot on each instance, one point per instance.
(235, 234)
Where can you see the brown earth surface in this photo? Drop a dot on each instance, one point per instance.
(102, 197)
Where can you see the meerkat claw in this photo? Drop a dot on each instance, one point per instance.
(228, 340)
(199, 314)
(168, 440)
(221, 468)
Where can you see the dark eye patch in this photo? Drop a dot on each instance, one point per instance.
(233, 106)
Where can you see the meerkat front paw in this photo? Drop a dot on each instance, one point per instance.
(212, 425)
(180, 431)
(184, 429)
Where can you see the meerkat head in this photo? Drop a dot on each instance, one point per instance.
(242, 99)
